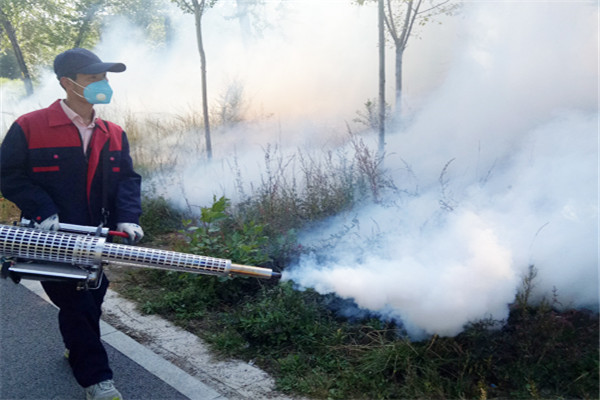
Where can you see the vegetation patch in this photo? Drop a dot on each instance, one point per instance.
(538, 352)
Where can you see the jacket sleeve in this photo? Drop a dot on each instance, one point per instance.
(128, 199)
(16, 183)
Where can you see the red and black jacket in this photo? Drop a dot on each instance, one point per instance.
(44, 170)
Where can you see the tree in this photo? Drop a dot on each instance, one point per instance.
(251, 16)
(401, 17)
(5, 12)
(87, 11)
(33, 42)
(89, 17)
(151, 16)
(380, 28)
(197, 8)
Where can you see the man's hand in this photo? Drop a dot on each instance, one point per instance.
(49, 224)
(134, 231)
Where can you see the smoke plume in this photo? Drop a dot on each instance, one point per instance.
(503, 164)
(496, 162)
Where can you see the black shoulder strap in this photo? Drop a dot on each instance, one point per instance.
(105, 176)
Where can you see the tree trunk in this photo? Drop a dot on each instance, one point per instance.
(381, 79)
(12, 36)
(398, 93)
(198, 11)
(84, 28)
(93, 8)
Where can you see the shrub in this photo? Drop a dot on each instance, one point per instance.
(217, 234)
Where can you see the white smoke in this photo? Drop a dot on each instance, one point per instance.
(516, 126)
(505, 95)
(436, 269)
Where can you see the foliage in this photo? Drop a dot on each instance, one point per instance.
(218, 233)
(537, 353)
(39, 40)
(401, 16)
(151, 16)
(33, 35)
(281, 318)
(158, 217)
(330, 183)
(191, 6)
(73, 24)
(369, 116)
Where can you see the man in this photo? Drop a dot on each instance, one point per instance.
(64, 164)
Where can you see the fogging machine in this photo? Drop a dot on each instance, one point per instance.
(78, 253)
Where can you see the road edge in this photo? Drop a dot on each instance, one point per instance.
(169, 373)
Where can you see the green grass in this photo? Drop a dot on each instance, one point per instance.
(538, 352)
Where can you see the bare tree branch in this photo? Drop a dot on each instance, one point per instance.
(434, 7)
(389, 22)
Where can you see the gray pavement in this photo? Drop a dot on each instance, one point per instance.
(32, 365)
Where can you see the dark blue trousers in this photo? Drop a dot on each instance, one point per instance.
(79, 323)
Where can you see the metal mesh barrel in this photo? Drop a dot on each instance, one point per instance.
(34, 244)
(84, 250)
(28, 244)
(124, 255)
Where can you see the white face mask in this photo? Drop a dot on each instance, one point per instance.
(98, 92)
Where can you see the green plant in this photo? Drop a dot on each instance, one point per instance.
(282, 316)
(369, 117)
(538, 352)
(216, 233)
(541, 353)
(219, 234)
(329, 183)
(158, 217)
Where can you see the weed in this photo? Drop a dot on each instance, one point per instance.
(537, 352)
(369, 117)
(231, 106)
(220, 234)
(159, 217)
(447, 202)
(540, 353)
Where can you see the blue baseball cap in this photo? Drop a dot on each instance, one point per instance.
(82, 61)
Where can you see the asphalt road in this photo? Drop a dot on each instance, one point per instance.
(32, 365)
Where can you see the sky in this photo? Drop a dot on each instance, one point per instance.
(502, 98)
